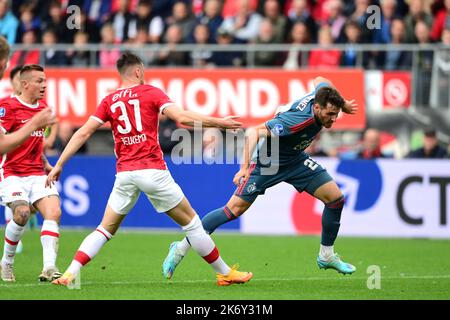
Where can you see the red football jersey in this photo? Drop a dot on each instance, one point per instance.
(26, 159)
(133, 113)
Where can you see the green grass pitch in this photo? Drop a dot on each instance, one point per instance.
(284, 268)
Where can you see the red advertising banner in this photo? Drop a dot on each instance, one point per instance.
(254, 95)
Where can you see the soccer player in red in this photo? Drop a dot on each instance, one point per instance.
(22, 176)
(133, 112)
(41, 119)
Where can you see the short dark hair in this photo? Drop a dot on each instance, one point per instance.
(127, 59)
(31, 67)
(330, 95)
(15, 71)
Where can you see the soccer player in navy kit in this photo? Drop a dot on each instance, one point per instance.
(295, 125)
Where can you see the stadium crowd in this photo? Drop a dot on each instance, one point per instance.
(172, 22)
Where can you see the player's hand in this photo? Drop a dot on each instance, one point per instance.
(48, 167)
(53, 176)
(230, 123)
(241, 176)
(43, 118)
(350, 106)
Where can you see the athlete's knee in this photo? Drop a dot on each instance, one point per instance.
(236, 206)
(21, 212)
(337, 203)
(194, 226)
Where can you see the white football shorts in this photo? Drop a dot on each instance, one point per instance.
(29, 189)
(162, 191)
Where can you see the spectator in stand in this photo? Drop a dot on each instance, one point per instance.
(146, 18)
(200, 57)
(138, 43)
(107, 56)
(371, 145)
(24, 57)
(383, 34)
(441, 22)
(55, 20)
(397, 59)
(424, 64)
(226, 58)
(352, 35)
(295, 57)
(212, 17)
(300, 12)
(417, 12)
(324, 57)
(245, 24)
(50, 55)
(266, 35)
(431, 148)
(167, 56)
(182, 16)
(78, 57)
(28, 21)
(120, 21)
(278, 20)
(231, 7)
(97, 11)
(87, 27)
(8, 22)
(335, 19)
(361, 15)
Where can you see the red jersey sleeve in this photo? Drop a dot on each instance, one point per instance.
(160, 100)
(102, 114)
(7, 117)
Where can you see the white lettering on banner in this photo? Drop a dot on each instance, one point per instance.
(75, 97)
(232, 97)
(258, 87)
(77, 200)
(209, 92)
(105, 86)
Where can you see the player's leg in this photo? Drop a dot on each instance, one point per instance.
(311, 177)
(333, 199)
(8, 218)
(122, 199)
(201, 242)
(13, 234)
(235, 207)
(242, 199)
(92, 244)
(50, 208)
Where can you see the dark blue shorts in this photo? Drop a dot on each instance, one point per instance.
(305, 175)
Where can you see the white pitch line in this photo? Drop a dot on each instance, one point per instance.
(89, 283)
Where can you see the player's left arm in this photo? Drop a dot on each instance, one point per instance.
(350, 106)
(78, 139)
(50, 140)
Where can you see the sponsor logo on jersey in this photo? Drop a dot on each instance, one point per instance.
(278, 129)
(23, 121)
(2, 112)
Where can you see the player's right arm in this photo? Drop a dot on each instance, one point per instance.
(14, 139)
(78, 139)
(189, 118)
(252, 136)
